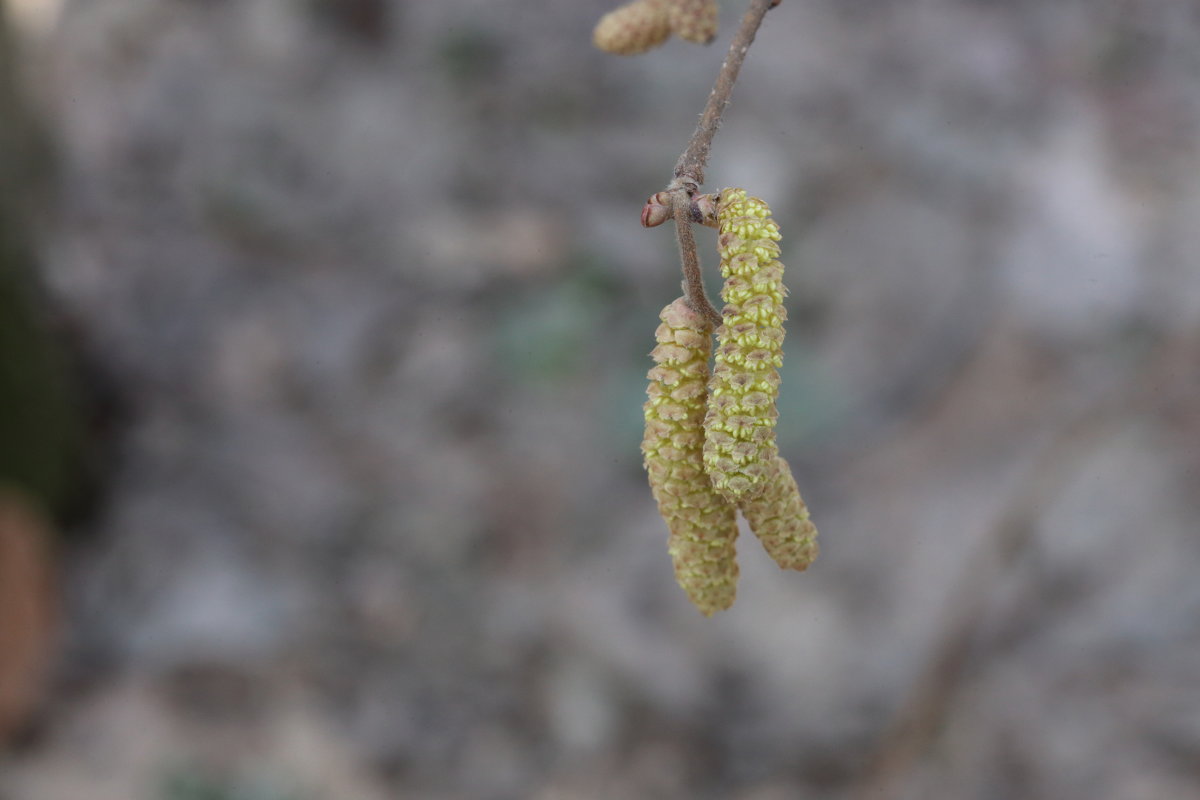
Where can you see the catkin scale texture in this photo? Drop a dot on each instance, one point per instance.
(633, 28)
(779, 518)
(739, 446)
(694, 20)
(702, 523)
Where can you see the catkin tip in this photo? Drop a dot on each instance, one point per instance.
(780, 520)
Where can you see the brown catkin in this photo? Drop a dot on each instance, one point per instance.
(693, 20)
(633, 28)
(779, 518)
(702, 524)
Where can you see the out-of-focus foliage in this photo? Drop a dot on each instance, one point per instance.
(39, 421)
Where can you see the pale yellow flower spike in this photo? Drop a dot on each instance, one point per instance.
(633, 28)
(693, 20)
(702, 524)
(779, 518)
(739, 429)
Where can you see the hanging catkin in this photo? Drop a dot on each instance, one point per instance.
(779, 518)
(701, 522)
(693, 20)
(739, 428)
(633, 28)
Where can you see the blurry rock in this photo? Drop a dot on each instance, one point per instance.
(365, 20)
(583, 707)
(467, 249)
(1073, 266)
(35, 17)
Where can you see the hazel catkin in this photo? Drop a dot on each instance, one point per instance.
(739, 427)
(702, 523)
(633, 28)
(779, 518)
(693, 20)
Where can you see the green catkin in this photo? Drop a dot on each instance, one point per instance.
(633, 28)
(779, 518)
(702, 524)
(739, 428)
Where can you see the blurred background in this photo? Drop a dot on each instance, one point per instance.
(323, 334)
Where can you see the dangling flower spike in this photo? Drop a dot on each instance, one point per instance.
(702, 523)
(739, 429)
(633, 28)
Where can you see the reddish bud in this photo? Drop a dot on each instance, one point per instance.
(657, 210)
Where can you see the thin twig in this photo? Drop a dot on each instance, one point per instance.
(693, 277)
(689, 169)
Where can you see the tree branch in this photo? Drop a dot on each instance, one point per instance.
(689, 169)
(693, 276)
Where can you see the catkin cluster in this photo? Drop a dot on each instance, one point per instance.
(645, 24)
(709, 445)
